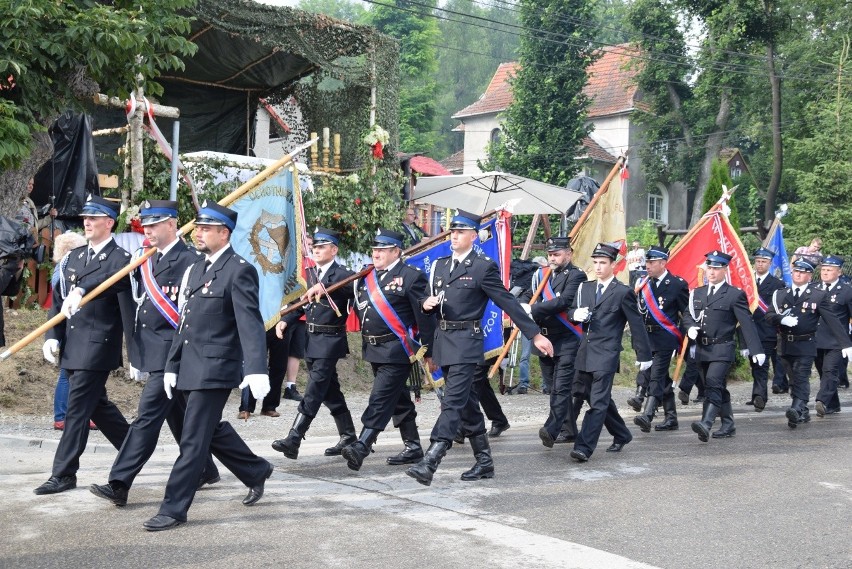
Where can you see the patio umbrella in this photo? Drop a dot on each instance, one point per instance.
(479, 193)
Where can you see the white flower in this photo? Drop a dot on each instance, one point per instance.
(377, 134)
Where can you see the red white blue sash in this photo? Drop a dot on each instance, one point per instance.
(548, 294)
(656, 312)
(164, 305)
(390, 317)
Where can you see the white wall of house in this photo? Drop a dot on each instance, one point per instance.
(612, 133)
(477, 135)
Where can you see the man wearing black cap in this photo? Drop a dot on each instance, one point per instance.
(89, 342)
(604, 306)
(388, 301)
(663, 298)
(549, 313)
(327, 343)
(461, 285)
(799, 311)
(220, 339)
(831, 353)
(766, 286)
(711, 320)
(155, 289)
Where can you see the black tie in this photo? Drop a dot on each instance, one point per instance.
(455, 265)
(207, 264)
(381, 273)
(90, 255)
(796, 293)
(711, 292)
(159, 258)
(759, 281)
(599, 293)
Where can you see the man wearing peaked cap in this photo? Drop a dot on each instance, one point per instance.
(713, 313)
(767, 284)
(831, 354)
(388, 303)
(88, 344)
(326, 344)
(212, 213)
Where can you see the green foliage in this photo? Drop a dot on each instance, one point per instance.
(719, 176)
(545, 124)
(645, 232)
(353, 12)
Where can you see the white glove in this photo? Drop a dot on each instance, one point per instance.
(847, 353)
(790, 321)
(692, 351)
(258, 383)
(744, 353)
(692, 332)
(169, 382)
(50, 349)
(758, 359)
(526, 308)
(644, 365)
(137, 375)
(581, 314)
(71, 304)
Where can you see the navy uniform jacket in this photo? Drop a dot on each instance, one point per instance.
(152, 335)
(91, 339)
(600, 347)
(220, 338)
(767, 331)
(405, 288)
(839, 306)
(333, 345)
(673, 298)
(564, 283)
(800, 340)
(466, 294)
(717, 321)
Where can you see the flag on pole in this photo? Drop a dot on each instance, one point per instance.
(603, 222)
(780, 265)
(269, 235)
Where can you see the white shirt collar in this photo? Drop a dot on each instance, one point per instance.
(392, 265)
(168, 247)
(831, 285)
(215, 256)
(323, 268)
(461, 256)
(605, 283)
(100, 246)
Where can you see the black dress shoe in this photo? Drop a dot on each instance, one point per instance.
(579, 456)
(759, 403)
(521, 390)
(207, 481)
(497, 429)
(57, 484)
(698, 399)
(776, 390)
(117, 495)
(545, 391)
(683, 396)
(255, 493)
(564, 438)
(160, 523)
(546, 438)
(750, 402)
(615, 447)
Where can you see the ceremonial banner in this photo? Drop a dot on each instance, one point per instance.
(713, 232)
(780, 266)
(497, 246)
(604, 221)
(269, 235)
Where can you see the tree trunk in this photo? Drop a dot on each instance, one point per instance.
(777, 142)
(13, 183)
(711, 152)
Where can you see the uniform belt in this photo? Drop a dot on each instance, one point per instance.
(652, 327)
(705, 341)
(376, 340)
(799, 338)
(458, 325)
(321, 329)
(553, 332)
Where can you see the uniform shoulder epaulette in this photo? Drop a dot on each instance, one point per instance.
(126, 254)
(681, 279)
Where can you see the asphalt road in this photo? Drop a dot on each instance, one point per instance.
(770, 497)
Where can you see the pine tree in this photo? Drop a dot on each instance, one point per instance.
(719, 175)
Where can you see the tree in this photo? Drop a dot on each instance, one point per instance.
(544, 126)
(719, 176)
(353, 12)
(55, 54)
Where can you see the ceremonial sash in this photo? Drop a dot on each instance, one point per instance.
(390, 317)
(662, 319)
(163, 303)
(548, 294)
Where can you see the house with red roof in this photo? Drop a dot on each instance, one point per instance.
(614, 98)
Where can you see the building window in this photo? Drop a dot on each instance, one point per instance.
(736, 172)
(437, 222)
(495, 136)
(658, 204)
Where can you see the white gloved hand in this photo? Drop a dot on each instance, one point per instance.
(692, 351)
(71, 304)
(581, 314)
(644, 365)
(758, 359)
(135, 374)
(258, 383)
(692, 332)
(744, 353)
(790, 321)
(527, 308)
(169, 382)
(50, 349)
(846, 352)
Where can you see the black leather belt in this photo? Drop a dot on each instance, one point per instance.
(799, 338)
(458, 325)
(321, 329)
(705, 341)
(554, 332)
(376, 340)
(652, 327)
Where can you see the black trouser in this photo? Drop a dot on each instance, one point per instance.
(389, 386)
(87, 399)
(323, 388)
(659, 381)
(602, 412)
(8, 270)
(487, 398)
(779, 379)
(277, 351)
(548, 367)
(760, 373)
(691, 377)
(143, 434)
(460, 406)
(715, 377)
(562, 390)
(203, 432)
(828, 364)
(799, 372)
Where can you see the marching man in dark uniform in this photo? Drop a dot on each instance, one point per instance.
(327, 343)
(711, 320)
(155, 289)
(798, 310)
(766, 330)
(604, 306)
(89, 342)
(461, 285)
(388, 301)
(830, 352)
(220, 339)
(557, 296)
(663, 298)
